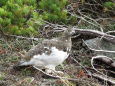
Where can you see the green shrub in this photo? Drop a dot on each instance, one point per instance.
(18, 17)
(109, 5)
(3, 2)
(53, 10)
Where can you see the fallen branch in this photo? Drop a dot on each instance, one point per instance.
(104, 59)
(22, 37)
(109, 80)
(56, 76)
(101, 76)
(94, 34)
(110, 32)
(107, 51)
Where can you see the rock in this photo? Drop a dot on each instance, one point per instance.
(100, 44)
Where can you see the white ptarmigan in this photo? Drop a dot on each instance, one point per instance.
(50, 53)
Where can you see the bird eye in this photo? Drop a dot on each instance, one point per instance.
(64, 49)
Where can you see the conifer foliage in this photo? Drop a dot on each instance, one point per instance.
(18, 17)
(23, 17)
(53, 10)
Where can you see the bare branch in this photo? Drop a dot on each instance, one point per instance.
(110, 32)
(112, 81)
(22, 37)
(95, 33)
(104, 59)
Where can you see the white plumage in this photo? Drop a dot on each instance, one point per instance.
(48, 61)
(50, 53)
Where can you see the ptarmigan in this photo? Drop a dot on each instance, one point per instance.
(50, 53)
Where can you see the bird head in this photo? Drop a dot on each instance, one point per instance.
(66, 31)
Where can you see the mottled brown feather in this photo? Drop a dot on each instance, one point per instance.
(61, 43)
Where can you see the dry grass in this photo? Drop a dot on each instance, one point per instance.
(9, 56)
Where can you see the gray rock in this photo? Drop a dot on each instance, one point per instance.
(100, 44)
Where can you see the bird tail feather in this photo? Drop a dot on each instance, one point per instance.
(21, 65)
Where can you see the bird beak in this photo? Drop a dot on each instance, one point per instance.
(60, 29)
(73, 30)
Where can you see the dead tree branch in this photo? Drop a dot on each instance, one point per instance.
(105, 59)
(94, 34)
(101, 77)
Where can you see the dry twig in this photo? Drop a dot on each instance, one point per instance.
(109, 80)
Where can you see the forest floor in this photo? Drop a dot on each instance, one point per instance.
(9, 56)
(90, 14)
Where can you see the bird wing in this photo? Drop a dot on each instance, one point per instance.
(39, 49)
(45, 47)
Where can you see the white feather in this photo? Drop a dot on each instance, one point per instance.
(55, 58)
